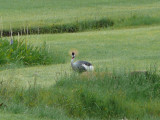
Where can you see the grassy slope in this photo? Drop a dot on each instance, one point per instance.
(130, 48)
(40, 12)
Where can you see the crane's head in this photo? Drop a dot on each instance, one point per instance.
(73, 55)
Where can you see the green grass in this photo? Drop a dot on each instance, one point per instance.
(19, 52)
(98, 95)
(117, 50)
(9, 116)
(102, 95)
(130, 49)
(123, 49)
(18, 112)
(135, 49)
(77, 26)
(132, 45)
(45, 13)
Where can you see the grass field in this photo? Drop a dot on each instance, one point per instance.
(135, 49)
(17, 13)
(9, 116)
(45, 92)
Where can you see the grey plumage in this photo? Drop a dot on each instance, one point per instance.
(81, 66)
(84, 62)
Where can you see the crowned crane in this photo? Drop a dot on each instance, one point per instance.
(81, 66)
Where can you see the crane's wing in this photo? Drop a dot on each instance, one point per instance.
(84, 62)
(83, 65)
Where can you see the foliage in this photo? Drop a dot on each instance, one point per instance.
(23, 53)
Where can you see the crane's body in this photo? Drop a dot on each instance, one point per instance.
(81, 66)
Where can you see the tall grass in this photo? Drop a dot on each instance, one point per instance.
(91, 24)
(99, 95)
(18, 51)
(62, 28)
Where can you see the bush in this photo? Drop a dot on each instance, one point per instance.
(27, 54)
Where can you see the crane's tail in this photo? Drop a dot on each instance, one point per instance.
(91, 68)
(88, 68)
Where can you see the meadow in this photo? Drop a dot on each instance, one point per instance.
(54, 91)
(21, 14)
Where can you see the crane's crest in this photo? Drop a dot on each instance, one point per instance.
(73, 50)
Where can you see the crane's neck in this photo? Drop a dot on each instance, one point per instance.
(72, 61)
